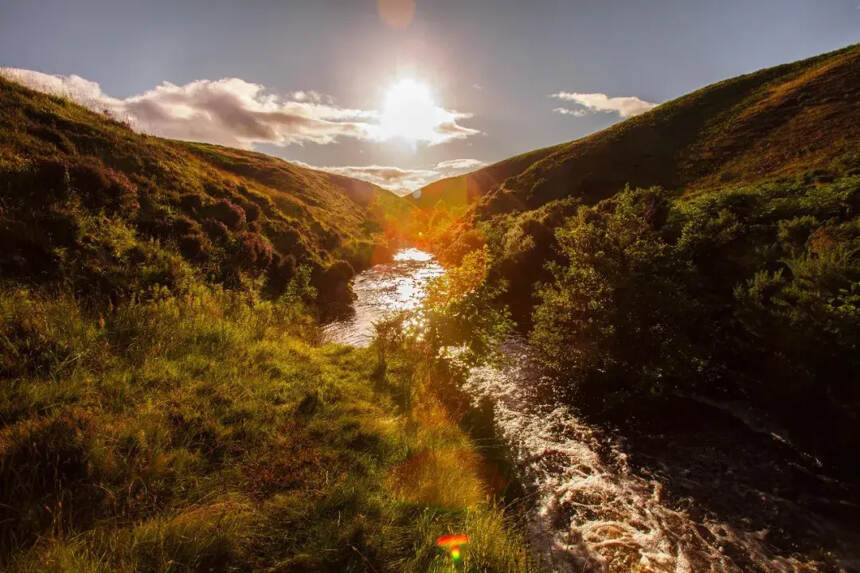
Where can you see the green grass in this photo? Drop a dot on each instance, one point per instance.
(166, 404)
(237, 218)
(780, 121)
(204, 432)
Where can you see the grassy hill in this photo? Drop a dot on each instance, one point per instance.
(785, 120)
(166, 403)
(710, 245)
(457, 193)
(90, 202)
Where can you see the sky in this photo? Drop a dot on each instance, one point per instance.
(399, 92)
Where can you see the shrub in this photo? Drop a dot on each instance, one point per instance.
(192, 203)
(45, 180)
(230, 214)
(334, 291)
(279, 274)
(253, 252)
(194, 247)
(216, 230)
(182, 225)
(616, 311)
(286, 240)
(104, 188)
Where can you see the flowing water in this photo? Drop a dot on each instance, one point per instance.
(381, 291)
(706, 487)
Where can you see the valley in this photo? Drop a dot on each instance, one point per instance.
(633, 351)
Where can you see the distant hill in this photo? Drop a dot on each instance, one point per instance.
(779, 121)
(458, 192)
(86, 200)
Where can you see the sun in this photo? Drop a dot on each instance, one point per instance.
(409, 112)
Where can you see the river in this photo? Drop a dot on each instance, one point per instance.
(706, 487)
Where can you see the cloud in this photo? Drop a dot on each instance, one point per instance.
(626, 106)
(568, 111)
(460, 164)
(73, 87)
(233, 112)
(399, 180)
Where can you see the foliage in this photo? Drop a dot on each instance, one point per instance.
(752, 290)
(203, 431)
(617, 310)
(461, 309)
(85, 202)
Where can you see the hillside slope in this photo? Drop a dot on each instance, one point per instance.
(779, 121)
(709, 246)
(456, 193)
(86, 200)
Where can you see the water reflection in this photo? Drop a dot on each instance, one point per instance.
(381, 291)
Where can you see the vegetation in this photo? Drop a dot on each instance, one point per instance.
(87, 202)
(752, 290)
(166, 403)
(707, 246)
(203, 431)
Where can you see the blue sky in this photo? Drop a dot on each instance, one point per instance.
(311, 81)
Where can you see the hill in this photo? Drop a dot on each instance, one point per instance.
(457, 193)
(710, 246)
(89, 202)
(165, 401)
(784, 120)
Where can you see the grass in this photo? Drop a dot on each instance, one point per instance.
(205, 432)
(166, 404)
(780, 121)
(237, 218)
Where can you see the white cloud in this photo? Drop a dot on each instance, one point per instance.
(460, 164)
(399, 180)
(626, 106)
(568, 111)
(73, 87)
(232, 112)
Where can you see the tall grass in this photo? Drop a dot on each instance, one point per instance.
(207, 431)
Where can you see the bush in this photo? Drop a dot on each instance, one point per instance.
(194, 247)
(616, 313)
(334, 290)
(230, 214)
(252, 253)
(104, 188)
(279, 274)
(751, 290)
(192, 203)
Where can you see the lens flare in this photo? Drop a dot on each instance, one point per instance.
(396, 13)
(452, 543)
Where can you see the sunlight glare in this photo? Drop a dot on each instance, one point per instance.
(409, 112)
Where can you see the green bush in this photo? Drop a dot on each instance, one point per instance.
(751, 290)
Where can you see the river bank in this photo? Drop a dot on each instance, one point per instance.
(677, 485)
